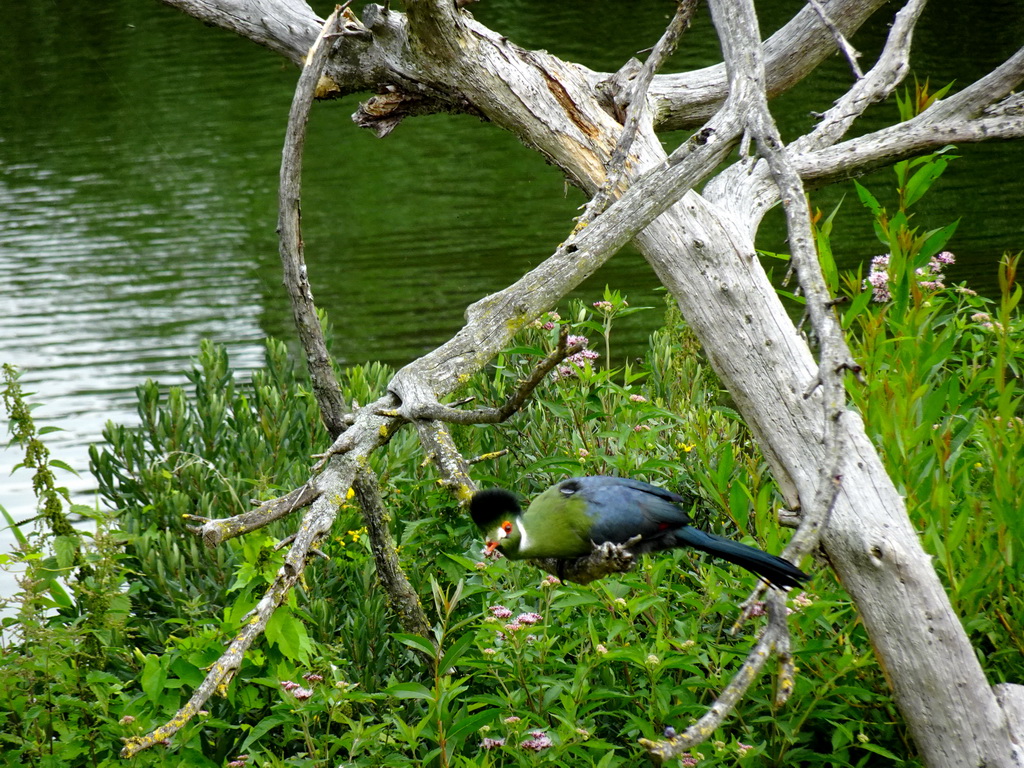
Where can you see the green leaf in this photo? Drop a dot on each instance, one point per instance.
(66, 548)
(153, 678)
(288, 633)
(411, 691)
(934, 242)
(870, 201)
(923, 179)
(63, 465)
(959, 438)
(856, 307)
(881, 751)
(417, 643)
(468, 725)
(12, 526)
(263, 726)
(59, 594)
(630, 310)
(457, 650)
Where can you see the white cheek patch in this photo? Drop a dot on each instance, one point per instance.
(524, 540)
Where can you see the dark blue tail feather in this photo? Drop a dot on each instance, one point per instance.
(772, 569)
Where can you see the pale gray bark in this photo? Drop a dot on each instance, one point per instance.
(701, 247)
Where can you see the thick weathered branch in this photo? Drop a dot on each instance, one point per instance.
(736, 23)
(972, 100)
(688, 99)
(401, 596)
(632, 99)
(864, 154)
(288, 27)
(293, 263)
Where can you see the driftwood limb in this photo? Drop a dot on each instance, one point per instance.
(688, 99)
(215, 531)
(630, 98)
(333, 409)
(736, 23)
(319, 518)
(841, 42)
(293, 263)
(515, 401)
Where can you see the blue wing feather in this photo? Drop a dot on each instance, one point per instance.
(621, 508)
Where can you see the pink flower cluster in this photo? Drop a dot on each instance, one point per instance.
(549, 321)
(539, 741)
(297, 690)
(520, 621)
(929, 278)
(577, 360)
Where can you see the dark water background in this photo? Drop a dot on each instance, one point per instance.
(139, 155)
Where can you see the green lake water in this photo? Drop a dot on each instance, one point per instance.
(139, 155)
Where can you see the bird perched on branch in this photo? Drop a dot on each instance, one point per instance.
(571, 517)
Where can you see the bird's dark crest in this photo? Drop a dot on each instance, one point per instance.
(487, 506)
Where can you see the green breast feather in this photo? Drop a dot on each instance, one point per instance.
(555, 525)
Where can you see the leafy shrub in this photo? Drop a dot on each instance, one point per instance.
(116, 629)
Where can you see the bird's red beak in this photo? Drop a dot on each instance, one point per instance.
(490, 546)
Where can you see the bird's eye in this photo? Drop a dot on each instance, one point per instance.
(506, 527)
(568, 489)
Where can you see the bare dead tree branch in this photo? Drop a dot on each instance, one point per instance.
(889, 70)
(842, 43)
(319, 518)
(296, 279)
(736, 22)
(688, 99)
(514, 402)
(678, 101)
(215, 531)
(401, 595)
(632, 100)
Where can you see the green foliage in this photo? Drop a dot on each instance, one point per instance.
(117, 627)
(71, 614)
(595, 668)
(942, 402)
